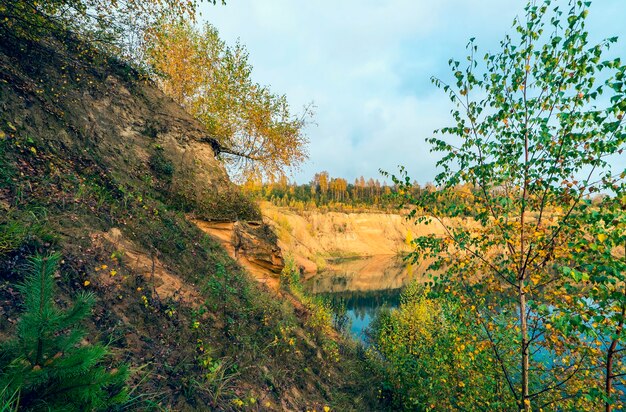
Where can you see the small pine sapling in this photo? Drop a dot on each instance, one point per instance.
(47, 362)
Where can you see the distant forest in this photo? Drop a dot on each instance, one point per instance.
(336, 194)
(326, 192)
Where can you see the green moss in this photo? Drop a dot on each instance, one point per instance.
(162, 167)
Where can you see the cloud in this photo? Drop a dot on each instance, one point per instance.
(367, 66)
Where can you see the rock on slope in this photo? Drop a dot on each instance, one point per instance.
(251, 244)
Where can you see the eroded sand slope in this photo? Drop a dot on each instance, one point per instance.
(314, 237)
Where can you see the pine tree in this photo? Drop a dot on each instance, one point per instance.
(47, 363)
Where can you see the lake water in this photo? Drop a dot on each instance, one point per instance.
(364, 286)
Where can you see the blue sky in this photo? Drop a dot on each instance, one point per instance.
(367, 66)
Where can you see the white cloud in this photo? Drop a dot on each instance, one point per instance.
(366, 64)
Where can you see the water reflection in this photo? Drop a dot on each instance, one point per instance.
(363, 286)
(362, 307)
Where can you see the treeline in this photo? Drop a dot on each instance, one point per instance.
(337, 193)
(326, 192)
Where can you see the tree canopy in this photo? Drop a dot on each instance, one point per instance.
(258, 135)
(118, 27)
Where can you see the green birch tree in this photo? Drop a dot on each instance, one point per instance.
(533, 128)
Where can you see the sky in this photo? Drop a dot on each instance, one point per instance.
(367, 65)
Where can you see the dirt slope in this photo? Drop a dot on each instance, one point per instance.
(99, 165)
(101, 111)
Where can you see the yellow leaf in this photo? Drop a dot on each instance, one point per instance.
(602, 237)
(86, 283)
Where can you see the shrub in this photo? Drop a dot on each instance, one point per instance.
(290, 275)
(432, 357)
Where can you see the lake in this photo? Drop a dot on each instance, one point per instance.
(363, 285)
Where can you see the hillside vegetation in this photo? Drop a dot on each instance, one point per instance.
(98, 165)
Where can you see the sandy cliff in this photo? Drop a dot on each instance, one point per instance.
(315, 238)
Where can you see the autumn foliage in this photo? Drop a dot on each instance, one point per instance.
(258, 135)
